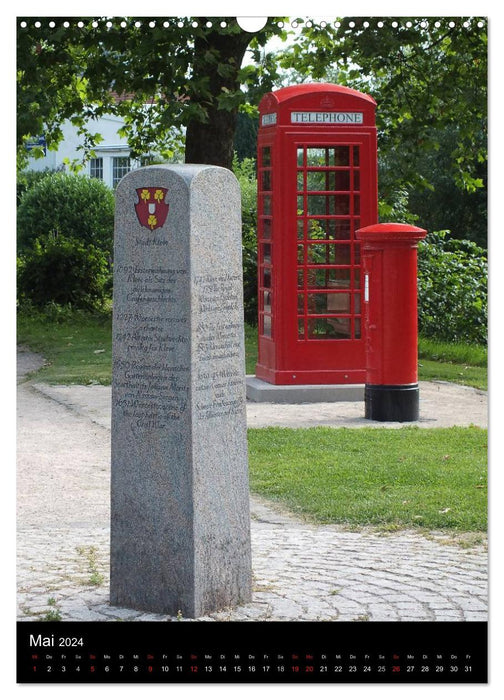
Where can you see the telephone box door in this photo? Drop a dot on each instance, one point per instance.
(329, 200)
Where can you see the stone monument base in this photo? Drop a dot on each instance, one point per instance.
(262, 392)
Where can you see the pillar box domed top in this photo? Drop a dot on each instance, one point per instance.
(390, 232)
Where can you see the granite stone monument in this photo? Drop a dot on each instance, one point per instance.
(180, 519)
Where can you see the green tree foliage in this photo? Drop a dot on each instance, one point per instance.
(444, 205)
(429, 78)
(245, 143)
(187, 70)
(452, 289)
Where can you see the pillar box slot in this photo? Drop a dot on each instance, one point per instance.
(389, 269)
(317, 184)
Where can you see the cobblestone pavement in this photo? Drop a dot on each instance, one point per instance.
(301, 571)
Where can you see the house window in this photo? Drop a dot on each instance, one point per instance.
(120, 167)
(96, 168)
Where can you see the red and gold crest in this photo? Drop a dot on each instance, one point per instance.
(152, 208)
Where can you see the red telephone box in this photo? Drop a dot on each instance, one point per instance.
(317, 184)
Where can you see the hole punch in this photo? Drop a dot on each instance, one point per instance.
(252, 24)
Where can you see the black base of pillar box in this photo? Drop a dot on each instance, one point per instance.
(392, 402)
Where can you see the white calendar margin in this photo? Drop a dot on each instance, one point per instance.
(260, 8)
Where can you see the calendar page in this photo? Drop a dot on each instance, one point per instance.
(252, 349)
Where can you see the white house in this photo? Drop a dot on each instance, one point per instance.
(112, 159)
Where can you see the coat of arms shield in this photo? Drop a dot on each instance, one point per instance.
(152, 208)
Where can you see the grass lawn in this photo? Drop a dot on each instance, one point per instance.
(79, 351)
(387, 478)
(408, 477)
(453, 362)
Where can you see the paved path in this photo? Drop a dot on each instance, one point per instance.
(301, 571)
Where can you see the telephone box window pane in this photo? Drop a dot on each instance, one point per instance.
(342, 254)
(340, 277)
(357, 254)
(357, 328)
(300, 181)
(356, 279)
(267, 204)
(300, 206)
(342, 229)
(329, 229)
(266, 156)
(324, 157)
(357, 303)
(300, 304)
(327, 181)
(266, 228)
(338, 303)
(324, 304)
(342, 155)
(266, 180)
(320, 204)
(300, 254)
(267, 252)
(342, 204)
(317, 204)
(300, 156)
(319, 254)
(317, 304)
(267, 326)
(356, 155)
(317, 157)
(316, 181)
(328, 328)
(341, 180)
(356, 206)
(301, 328)
(300, 229)
(328, 204)
(316, 229)
(356, 180)
(300, 279)
(267, 301)
(267, 277)
(321, 229)
(326, 278)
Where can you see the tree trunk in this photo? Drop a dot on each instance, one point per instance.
(211, 142)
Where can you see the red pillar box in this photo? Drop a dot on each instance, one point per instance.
(389, 270)
(317, 184)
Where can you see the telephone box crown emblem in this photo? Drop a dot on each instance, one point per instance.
(152, 207)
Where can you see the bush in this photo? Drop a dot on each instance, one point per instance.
(61, 270)
(73, 206)
(28, 178)
(245, 172)
(452, 289)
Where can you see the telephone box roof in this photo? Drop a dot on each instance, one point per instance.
(294, 91)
